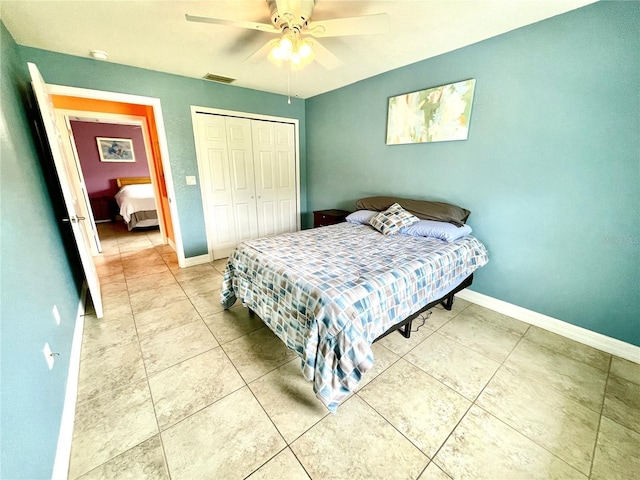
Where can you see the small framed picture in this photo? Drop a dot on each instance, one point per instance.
(115, 149)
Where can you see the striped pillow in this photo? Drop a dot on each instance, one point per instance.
(392, 220)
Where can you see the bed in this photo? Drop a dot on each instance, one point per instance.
(136, 201)
(328, 293)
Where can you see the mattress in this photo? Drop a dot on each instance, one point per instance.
(329, 292)
(136, 198)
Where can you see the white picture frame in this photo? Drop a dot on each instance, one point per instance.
(115, 149)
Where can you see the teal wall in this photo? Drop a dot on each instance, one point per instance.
(551, 172)
(551, 169)
(36, 271)
(176, 95)
(35, 274)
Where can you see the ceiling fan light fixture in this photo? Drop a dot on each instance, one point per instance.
(293, 49)
(305, 50)
(292, 21)
(286, 44)
(277, 54)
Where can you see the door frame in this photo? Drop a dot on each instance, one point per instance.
(155, 104)
(195, 110)
(121, 119)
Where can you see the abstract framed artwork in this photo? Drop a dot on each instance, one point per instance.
(115, 149)
(437, 114)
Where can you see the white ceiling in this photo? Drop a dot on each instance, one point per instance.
(155, 35)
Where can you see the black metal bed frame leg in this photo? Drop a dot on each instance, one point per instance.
(448, 302)
(406, 330)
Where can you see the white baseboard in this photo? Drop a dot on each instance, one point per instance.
(573, 332)
(193, 261)
(65, 436)
(172, 244)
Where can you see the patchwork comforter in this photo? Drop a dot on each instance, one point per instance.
(329, 292)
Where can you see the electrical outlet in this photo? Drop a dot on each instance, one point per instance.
(48, 355)
(56, 315)
(191, 180)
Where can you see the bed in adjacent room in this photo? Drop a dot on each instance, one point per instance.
(328, 293)
(136, 201)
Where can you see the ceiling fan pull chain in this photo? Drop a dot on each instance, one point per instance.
(289, 86)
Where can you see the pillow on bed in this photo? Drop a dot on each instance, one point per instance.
(442, 230)
(392, 220)
(424, 210)
(361, 216)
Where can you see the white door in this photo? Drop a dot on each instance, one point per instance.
(226, 176)
(275, 177)
(248, 179)
(265, 177)
(243, 189)
(78, 185)
(287, 209)
(78, 226)
(215, 183)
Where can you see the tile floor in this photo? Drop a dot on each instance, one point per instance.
(172, 386)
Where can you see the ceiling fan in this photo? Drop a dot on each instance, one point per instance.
(298, 44)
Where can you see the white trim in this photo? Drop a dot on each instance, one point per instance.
(253, 116)
(573, 332)
(155, 179)
(65, 436)
(120, 119)
(102, 95)
(233, 113)
(193, 261)
(162, 143)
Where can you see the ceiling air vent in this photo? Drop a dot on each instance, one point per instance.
(218, 78)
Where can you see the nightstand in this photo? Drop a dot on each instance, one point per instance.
(101, 208)
(322, 218)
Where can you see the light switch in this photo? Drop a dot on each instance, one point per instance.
(191, 180)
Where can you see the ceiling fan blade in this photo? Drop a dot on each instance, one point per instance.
(263, 27)
(338, 27)
(262, 52)
(323, 56)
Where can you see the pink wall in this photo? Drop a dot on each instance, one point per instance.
(100, 177)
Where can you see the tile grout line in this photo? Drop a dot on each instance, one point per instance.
(473, 402)
(144, 366)
(471, 405)
(511, 426)
(604, 398)
(388, 422)
(401, 357)
(552, 387)
(146, 378)
(153, 403)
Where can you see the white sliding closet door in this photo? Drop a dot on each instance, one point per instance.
(243, 188)
(227, 191)
(274, 154)
(248, 179)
